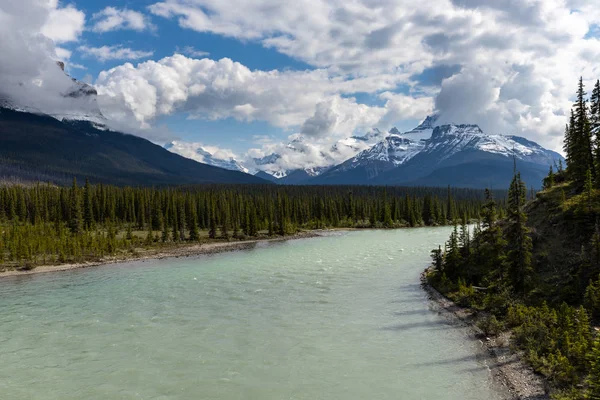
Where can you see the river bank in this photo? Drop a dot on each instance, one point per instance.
(186, 250)
(505, 365)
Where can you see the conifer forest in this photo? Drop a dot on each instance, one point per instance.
(44, 224)
(536, 272)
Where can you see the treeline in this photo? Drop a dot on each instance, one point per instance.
(536, 271)
(43, 223)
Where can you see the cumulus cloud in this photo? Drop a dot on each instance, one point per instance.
(29, 75)
(505, 82)
(105, 53)
(221, 89)
(510, 66)
(62, 24)
(112, 19)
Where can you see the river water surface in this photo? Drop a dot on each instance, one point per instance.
(338, 317)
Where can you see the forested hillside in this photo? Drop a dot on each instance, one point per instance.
(43, 224)
(41, 148)
(537, 271)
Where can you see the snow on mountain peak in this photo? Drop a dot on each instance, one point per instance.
(200, 153)
(444, 141)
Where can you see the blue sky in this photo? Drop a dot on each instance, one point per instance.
(167, 37)
(245, 76)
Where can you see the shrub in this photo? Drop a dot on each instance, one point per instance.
(490, 325)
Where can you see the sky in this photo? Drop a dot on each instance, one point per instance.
(244, 77)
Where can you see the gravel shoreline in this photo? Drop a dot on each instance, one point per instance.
(191, 250)
(506, 367)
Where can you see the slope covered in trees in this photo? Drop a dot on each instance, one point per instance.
(536, 272)
(41, 148)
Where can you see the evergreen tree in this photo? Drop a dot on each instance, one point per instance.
(579, 139)
(165, 232)
(549, 180)
(76, 217)
(450, 207)
(225, 225)
(452, 259)
(88, 212)
(519, 241)
(593, 379)
(588, 190)
(212, 232)
(194, 234)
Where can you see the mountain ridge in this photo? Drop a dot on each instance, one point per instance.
(37, 147)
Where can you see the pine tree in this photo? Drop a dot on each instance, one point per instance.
(75, 210)
(88, 212)
(165, 232)
(593, 379)
(450, 207)
(438, 259)
(194, 234)
(519, 241)
(453, 258)
(595, 106)
(595, 128)
(579, 139)
(588, 190)
(212, 231)
(549, 180)
(225, 225)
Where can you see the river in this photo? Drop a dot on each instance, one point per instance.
(337, 317)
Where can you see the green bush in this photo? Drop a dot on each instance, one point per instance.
(490, 325)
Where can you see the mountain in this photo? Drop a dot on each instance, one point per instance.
(342, 149)
(432, 155)
(197, 152)
(36, 147)
(77, 101)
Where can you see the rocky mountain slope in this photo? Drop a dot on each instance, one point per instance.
(457, 155)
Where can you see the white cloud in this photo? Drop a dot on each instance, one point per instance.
(517, 63)
(29, 76)
(112, 19)
(105, 53)
(63, 24)
(62, 53)
(191, 52)
(221, 89)
(525, 55)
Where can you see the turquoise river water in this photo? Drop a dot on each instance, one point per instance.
(338, 317)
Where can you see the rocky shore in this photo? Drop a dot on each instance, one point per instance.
(507, 368)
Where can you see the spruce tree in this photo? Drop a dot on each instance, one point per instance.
(194, 234)
(593, 379)
(212, 230)
(76, 217)
(88, 212)
(579, 139)
(549, 179)
(519, 241)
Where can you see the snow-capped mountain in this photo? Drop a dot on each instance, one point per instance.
(392, 151)
(77, 102)
(274, 166)
(199, 153)
(461, 154)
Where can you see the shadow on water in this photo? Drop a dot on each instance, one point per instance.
(497, 364)
(413, 312)
(452, 361)
(424, 324)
